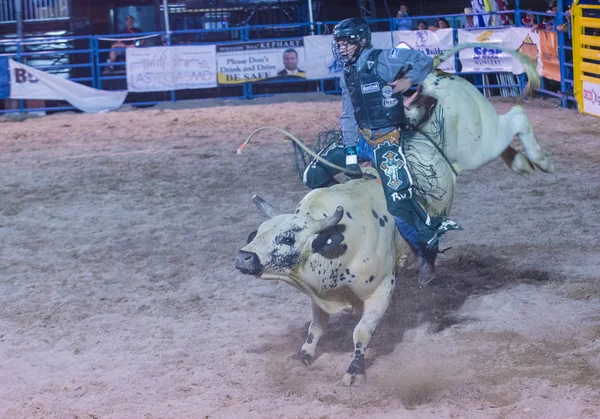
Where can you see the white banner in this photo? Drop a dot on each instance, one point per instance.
(261, 60)
(30, 83)
(157, 69)
(320, 63)
(527, 42)
(591, 98)
(486, 60)
(432, 43)
(382, 40)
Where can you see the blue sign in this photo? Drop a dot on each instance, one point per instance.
(4, 78)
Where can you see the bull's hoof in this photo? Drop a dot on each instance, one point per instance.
(522, 166)
(305, 357)
(545, 163)
(355, 380)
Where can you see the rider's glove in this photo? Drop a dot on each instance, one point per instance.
(352, 169)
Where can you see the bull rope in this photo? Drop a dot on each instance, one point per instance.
(438, 148)
(297, 141)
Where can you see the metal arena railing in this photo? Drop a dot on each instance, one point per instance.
(34, 10)
(45, 9)
(84, 59)
(7, 12)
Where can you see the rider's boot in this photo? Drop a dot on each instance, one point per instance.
(427, 266)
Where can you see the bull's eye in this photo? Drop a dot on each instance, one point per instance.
(285, 240)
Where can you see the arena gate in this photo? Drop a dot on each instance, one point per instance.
(586, 56)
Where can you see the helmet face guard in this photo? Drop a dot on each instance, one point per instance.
(345, 59)
(351, 32)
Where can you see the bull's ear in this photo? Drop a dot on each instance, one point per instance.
(267, 209)
(329, 244)
(251, 236)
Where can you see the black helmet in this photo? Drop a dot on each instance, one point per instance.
(354, 31)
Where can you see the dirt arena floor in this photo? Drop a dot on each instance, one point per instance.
(119, 297)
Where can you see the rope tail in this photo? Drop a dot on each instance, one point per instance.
(296, 140)
(528, 63)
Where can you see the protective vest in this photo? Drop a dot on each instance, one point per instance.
(375, 106)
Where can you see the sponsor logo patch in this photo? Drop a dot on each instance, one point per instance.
(370, 88)
(390, 102)
(387, 91)
(394, 53)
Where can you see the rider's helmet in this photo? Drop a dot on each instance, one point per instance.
(354, 31)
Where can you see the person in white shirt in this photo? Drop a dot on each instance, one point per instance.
(470, 23)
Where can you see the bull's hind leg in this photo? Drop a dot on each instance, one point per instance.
(517, 162)
(517, 121)
(374, 309)
(317, 328)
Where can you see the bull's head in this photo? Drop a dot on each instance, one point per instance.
(280, 243)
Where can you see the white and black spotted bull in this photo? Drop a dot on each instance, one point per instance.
(341, 248)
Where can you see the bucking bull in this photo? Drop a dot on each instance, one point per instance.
(341, 246)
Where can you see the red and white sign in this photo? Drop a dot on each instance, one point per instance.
(591, 98)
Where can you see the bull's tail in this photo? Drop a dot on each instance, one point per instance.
(528, 63)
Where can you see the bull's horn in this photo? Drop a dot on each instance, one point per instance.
(266, 208)
(322, 225)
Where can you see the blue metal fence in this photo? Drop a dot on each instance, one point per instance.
(34, 10)
(84, 59)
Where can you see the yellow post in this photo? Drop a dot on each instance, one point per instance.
(586, 56)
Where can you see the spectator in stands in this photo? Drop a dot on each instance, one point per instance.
(117, 51)
(529, 19)
(443, 23)
(550, 22)
(422, 25)
(470, 23)
(290, 61)
(402, 21)
(440, 24)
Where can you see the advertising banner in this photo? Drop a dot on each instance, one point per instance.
(30, 83)
(157, 69)
(255, 61)
(432, 43)
(486, 59)
(527, 42)
(591, 97)
(320, 63)
(549, 55)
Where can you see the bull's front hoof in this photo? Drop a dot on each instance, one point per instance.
(522, 166)
(355, 380)
(305, 357)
